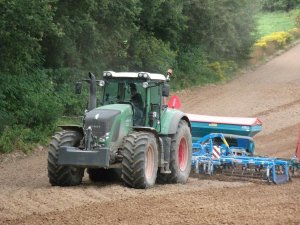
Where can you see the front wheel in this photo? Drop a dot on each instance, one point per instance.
(63, 175)
(180, 156)
(140, 160)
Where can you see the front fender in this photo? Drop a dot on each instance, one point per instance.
(170, 120)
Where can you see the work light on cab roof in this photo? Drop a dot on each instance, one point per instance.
(138, 75)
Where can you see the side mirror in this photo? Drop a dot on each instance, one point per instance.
(78, 87)
(165, 90)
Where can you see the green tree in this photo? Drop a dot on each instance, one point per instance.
(23, 24)
(95, 34)
(147, 53)
(164, 20)
(222, 28)
(273, 5)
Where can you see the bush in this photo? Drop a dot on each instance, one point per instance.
(192, 69)
(63, 81)
(280, 39)
(150, 54)
(297, 20)
(273, 5)
(29, 109)
(22, 138)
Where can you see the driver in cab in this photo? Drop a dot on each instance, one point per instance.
(137, 101)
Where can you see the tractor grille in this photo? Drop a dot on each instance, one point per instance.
(100, 120)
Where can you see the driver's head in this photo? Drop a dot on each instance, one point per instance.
(132, 88)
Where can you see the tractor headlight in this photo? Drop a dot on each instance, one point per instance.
(101, 83)
(145, 84)
(107, 74)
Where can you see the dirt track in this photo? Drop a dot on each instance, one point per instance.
(271, 92)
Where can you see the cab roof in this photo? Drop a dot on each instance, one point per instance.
(145, 75)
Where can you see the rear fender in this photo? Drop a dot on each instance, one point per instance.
(170, 121)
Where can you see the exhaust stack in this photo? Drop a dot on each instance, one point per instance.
(92, 100)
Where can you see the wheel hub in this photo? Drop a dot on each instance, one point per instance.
(182, 154)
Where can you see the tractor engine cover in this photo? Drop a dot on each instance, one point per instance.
(100, 120)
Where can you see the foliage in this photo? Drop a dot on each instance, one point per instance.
(27, 102)
(269, 22)
(22, 138)
(164, 20)
(275, 5)
(21, 30)
(95, 34)
(297, 20)
(280, 39)
(150, 54)
(193, 69)
(222, 28)
(63, 81)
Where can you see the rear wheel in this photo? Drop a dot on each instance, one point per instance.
(63, 175)
(181, 156)
(140, 160)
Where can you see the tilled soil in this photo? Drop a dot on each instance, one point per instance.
(270, 92)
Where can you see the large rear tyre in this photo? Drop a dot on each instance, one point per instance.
(63, 175)
(180, 156)
(140, 160)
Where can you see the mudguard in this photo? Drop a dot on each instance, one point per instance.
(170, 120)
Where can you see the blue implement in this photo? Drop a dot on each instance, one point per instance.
(236, 157)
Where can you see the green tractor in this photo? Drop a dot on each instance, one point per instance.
(132, 130)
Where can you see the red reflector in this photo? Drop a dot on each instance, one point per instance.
(174, 102)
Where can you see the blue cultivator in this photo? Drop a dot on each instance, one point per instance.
(225, 144)
(213, 153)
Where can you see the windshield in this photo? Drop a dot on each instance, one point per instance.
(116, 91)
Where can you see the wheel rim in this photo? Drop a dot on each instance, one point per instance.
(182, 154)
(149, 162)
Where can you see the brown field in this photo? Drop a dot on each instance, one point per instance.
(270, 92)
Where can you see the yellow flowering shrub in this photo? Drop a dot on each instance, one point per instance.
(281, 39)
(269, 44)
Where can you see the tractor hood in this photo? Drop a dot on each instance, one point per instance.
(105, 121)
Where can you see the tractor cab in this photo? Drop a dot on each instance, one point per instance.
(145, 92)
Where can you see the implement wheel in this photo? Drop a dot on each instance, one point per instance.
(140, 160)
(63, 175)
(181, 156)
